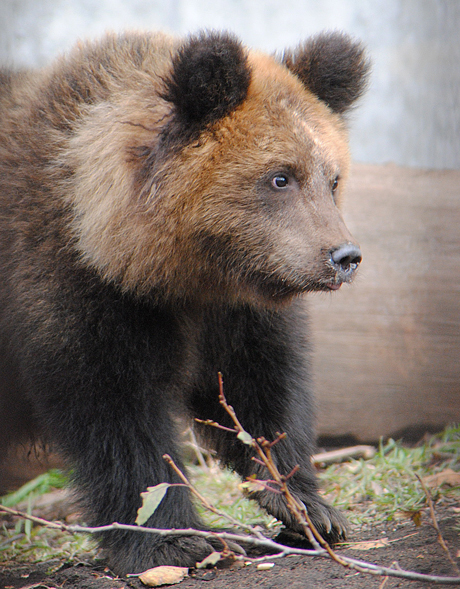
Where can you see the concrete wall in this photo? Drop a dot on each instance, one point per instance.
(411, 114)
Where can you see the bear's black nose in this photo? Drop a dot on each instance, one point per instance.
(346, 258)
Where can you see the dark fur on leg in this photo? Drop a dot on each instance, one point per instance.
(264, 359)
(102, 413)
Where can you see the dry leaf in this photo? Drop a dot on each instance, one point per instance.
(164, 575)
(369, 545)
(415, 516)
(151, 499)
(252, 486)
(446, 477)
(382, 543)
(210, 561)
(245, 438)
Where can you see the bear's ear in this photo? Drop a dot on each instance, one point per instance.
(333, 67)
(210, 77)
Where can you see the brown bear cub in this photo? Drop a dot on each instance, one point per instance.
(163, 205)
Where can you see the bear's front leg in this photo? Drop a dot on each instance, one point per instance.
(117, 452)
(104, 396)
(264, 357)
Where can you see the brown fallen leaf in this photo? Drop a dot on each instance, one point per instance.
(210, 561)
(415, 516)
(163, 575)
(446, 477)
(221, 560)
(370, 544)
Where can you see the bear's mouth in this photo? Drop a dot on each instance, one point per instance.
(282, 288)
(334, 285)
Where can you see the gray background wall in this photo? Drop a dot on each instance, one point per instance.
(411, 114)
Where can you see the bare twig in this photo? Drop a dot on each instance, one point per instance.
(362, 566)
(205, 502)
(227, 407)
(214, 424)
(259, 540)
(263, 449)
(436, 525)
(362, 451)
(36, 520)
(193, 443)
(385, 578)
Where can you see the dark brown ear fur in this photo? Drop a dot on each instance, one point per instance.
(210, 78)
(333, 67)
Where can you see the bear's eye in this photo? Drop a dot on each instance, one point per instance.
(335, 184)
(280, 181)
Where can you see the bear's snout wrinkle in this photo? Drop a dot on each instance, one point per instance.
(346, 259)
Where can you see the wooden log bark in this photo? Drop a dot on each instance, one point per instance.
(387, 348)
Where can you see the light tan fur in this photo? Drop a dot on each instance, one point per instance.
(143, 240)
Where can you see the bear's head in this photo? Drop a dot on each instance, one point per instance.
(215, 172)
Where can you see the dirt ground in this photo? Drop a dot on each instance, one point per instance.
(402, 544)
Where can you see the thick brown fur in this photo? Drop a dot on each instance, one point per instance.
(163, 203)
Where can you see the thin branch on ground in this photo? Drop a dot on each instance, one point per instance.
(334, 456)
(385, 578)
(362, 566)
(441, 540)
(259, 541)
